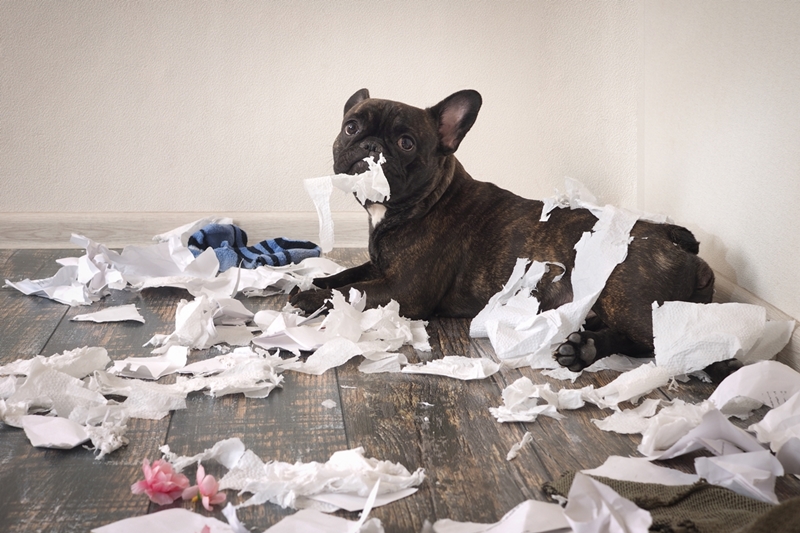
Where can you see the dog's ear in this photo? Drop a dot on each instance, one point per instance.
(455, 115)
(360, 96)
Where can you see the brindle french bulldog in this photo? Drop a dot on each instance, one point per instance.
(444, 243)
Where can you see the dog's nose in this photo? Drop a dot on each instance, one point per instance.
(371, 146)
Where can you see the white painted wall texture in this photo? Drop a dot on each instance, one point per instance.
(683, 107)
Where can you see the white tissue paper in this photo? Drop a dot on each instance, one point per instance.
(521, 401)
(629, 421)
(593, 507)
(780, 428)
(670, 424)
(534, 336)
(751, 474)
(312, 485)
(313, 521)
(530, 516)
(152, 367)
(370, 185)
(630, 386)
(714, 433)
(527, 438)
(170, 263)
(53, 432)
(766, 382)
(226, 452)
(456, 366)
(640, 470)
(176, 520)
(347, 331)
(690, 336)
(119, 313)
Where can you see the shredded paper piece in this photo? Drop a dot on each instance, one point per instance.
(344, 481)
(530, 516)
(456, 366)
(118, 313)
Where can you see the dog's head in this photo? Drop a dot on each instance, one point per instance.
(415, 142)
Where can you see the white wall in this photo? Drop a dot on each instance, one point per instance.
(685, 107)
(722, 135)
(227, 106)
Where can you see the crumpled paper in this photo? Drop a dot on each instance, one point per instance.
(306, 485)
(530, 516)
(456, 366)
(348, 330)
(86, 279)
(751, 474)
(764, 383)
(714, 433)
(534, 337)
(780, 427)
(593, 507)
(527, 438)
(521, 401)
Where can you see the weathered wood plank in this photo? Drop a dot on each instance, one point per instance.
(27, 321)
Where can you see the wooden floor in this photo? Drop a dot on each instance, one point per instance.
(456, 440)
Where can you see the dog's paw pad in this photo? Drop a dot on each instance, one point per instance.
(577, 352)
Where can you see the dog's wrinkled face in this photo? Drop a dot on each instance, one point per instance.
(414, 141)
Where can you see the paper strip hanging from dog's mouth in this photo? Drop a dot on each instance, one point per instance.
(371, 185)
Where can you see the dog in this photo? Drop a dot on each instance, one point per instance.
(443, 243)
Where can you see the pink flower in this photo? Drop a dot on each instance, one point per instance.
(161, 483)
(206, 489)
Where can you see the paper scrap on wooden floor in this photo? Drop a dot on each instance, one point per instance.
(53, 432)
(456, 366)
(751, 474)
(527, 438)
(313, 521)
(530, 516)
(86, 279)
(119, 313)
(344, 481)
(176, 520)
(521, 401)
(629, 421)
(347, 331)
(593, 507)
(173, 360)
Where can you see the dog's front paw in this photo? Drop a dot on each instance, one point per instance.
(577, 352)
(310, 300)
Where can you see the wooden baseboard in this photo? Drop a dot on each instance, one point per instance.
(53, 230)
(115, 230)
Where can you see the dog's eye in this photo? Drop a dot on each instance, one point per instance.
(350, 127)
(406, 143)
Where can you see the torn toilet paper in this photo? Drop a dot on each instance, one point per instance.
(370, 185)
